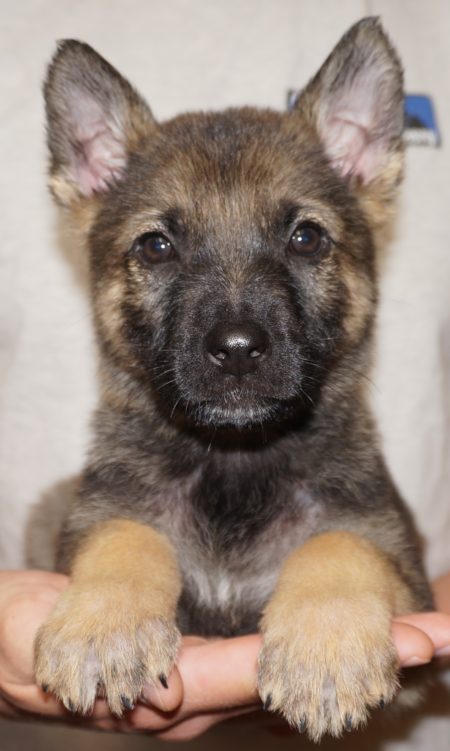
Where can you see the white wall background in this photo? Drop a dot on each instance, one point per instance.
(191, 54)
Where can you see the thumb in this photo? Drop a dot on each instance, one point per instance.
(26, 600)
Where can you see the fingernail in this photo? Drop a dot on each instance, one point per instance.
(415, 660)
(443, 651)
(154, 696)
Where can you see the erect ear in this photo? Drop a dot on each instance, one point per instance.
(94, 120)
(355, 103)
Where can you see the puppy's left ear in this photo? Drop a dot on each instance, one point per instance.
(95, 121)
(355, 104)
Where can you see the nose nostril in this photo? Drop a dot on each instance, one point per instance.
(236, 348)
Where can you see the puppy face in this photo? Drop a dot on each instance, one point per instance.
(232, 254)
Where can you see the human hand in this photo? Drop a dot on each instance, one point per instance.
(214, 679)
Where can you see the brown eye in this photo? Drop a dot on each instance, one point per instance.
(154, 248)
(308, 239)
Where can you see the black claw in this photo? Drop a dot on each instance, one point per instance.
(70, 705)
(44, 687)
(100, 689)
(302, 725)
(381, 704)
(348, 722)
(163, 680)
(267, 702)
(126, 703)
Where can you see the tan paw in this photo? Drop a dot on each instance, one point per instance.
(325, 664)
(106, 643)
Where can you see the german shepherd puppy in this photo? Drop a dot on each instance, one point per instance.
(234, 481)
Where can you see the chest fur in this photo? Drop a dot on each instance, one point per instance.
(232, 548)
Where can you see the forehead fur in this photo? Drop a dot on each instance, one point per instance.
(215, 172)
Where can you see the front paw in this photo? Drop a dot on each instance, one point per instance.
(325, 664)
(103, 643)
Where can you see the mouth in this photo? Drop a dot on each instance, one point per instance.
(238, 417)
(233, 415)
(232, 403)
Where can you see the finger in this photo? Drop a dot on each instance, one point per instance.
(413, 645)
(441, 589)
(192, 727)
(219, 677)
(7, 709)
(223, 674)
(220, 674)
(436, 626)
(31, 698)
(156, 714)
(27, 608)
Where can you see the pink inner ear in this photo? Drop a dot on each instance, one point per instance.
(99, 147)
(350, 129)
(351, 150)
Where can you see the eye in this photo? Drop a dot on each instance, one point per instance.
(308, 239)
(153, 248)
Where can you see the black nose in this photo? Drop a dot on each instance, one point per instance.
(237, 348)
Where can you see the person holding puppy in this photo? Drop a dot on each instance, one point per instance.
(213, 681)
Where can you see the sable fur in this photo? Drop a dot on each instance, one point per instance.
(237, 475)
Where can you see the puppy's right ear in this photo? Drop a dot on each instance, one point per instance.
(95, 119)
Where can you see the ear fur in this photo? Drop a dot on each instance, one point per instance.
(94, 119)
(355, 104)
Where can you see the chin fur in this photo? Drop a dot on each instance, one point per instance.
(212, 414)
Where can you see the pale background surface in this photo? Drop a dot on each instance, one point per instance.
(191, 54)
